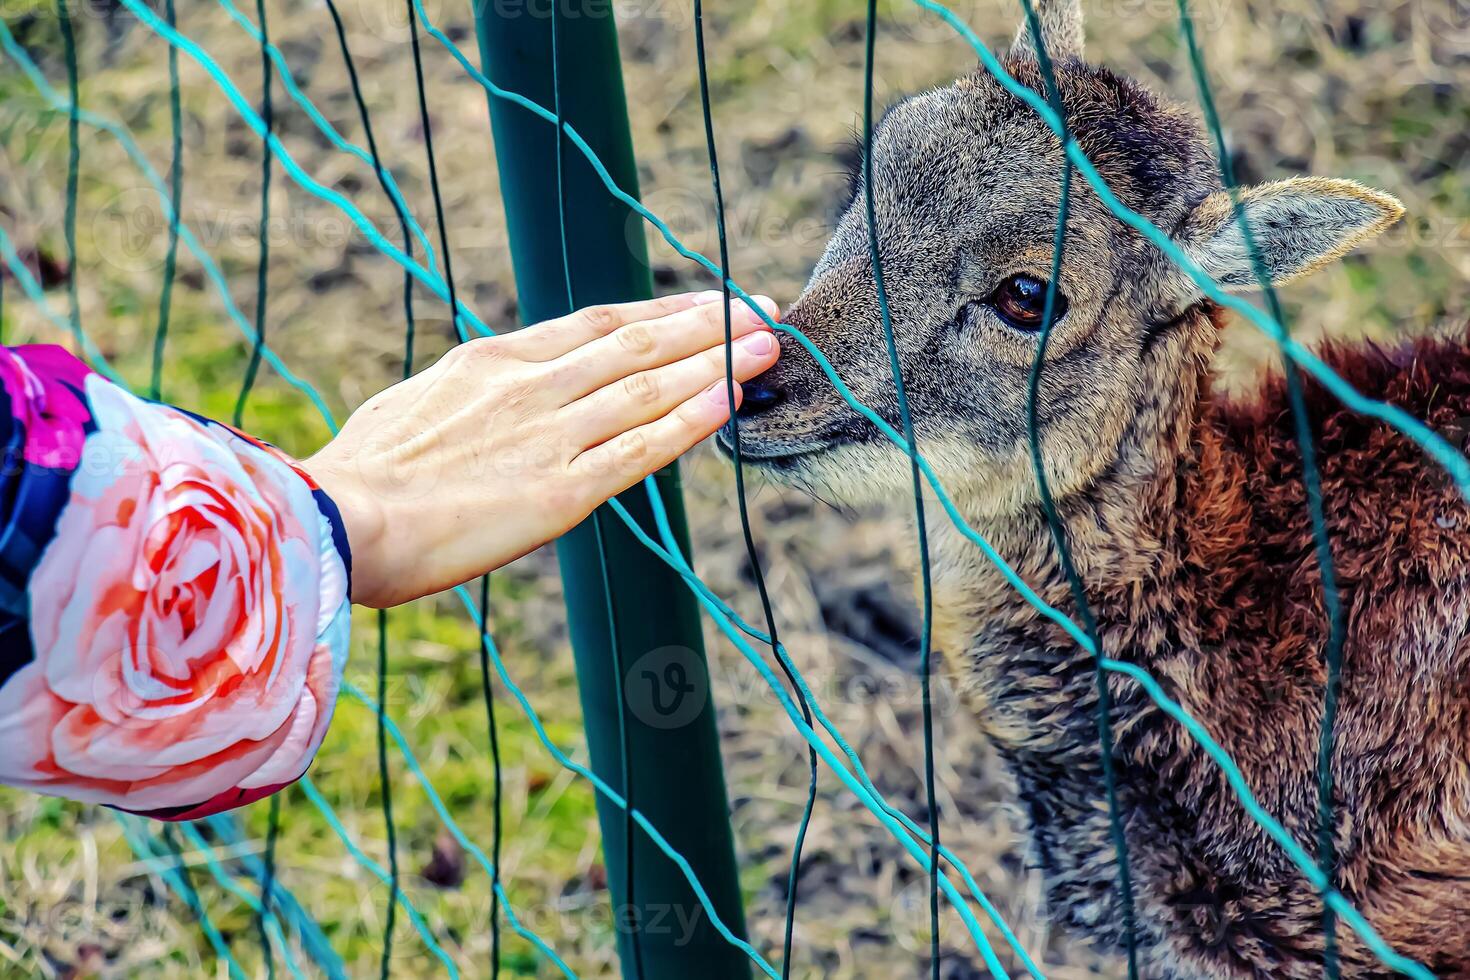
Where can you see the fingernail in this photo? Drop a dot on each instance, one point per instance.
(707, 297)
(765, 303)
(759, 343)
(718, 394)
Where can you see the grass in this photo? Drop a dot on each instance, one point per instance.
(1369, 94)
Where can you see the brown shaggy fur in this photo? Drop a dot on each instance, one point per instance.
(1208, 577)
(1186, 514)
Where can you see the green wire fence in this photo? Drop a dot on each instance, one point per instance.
(661, 799)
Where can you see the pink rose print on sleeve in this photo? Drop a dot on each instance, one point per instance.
(189, 621)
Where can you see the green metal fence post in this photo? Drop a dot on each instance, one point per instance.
(676, 772)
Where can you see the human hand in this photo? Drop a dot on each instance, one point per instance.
(508, 442)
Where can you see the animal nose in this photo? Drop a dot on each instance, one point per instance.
(760, 396)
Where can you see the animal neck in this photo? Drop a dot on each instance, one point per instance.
(1032, 685)
(1128, 532)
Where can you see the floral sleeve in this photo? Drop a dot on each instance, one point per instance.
(173, 599)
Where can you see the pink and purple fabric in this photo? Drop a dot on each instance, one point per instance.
(173, 599)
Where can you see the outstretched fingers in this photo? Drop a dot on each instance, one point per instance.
(649, 344)
(614, 466)
(557, 338)
(648, 395)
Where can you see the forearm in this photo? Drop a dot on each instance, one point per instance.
(174, 594)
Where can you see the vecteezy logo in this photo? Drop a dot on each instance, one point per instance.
(667, 688)
(678, 687)
(909, 917)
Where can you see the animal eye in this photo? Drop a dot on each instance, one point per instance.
(1021, 302)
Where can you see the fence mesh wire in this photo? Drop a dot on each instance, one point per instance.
(286, 929)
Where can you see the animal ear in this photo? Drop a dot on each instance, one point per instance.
(1061, 31)
(1297, 226)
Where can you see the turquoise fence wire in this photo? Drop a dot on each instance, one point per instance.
(1312, 485)
(288, 81)
(270, 923)
(177, 878)
(609, 597)
(211, 270)
(37, 296)
(34, 292)
(669, 553)
(752, 554)
(437, 802)
(308, 183)
(308, 933)
(1054, 519)
(885, 817)
(1406, 424)
(417, 920)
(1439, 450)
(728, 621)
(612, 795)
(921, 524)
